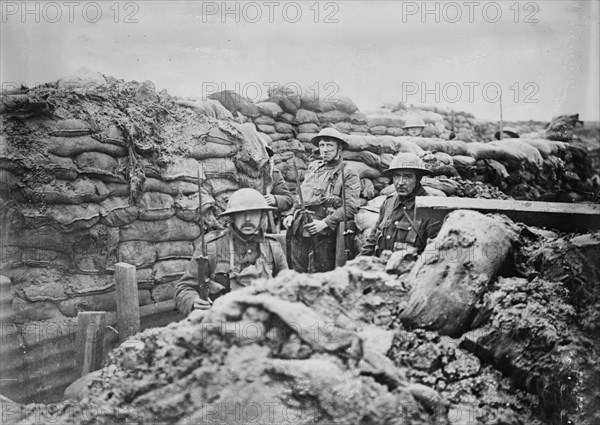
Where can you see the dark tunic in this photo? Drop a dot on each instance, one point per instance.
(393, 225)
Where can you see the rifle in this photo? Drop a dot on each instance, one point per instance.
(501, 120)
(268, 190)
(308, 218)
(202, 259)
(345, 230)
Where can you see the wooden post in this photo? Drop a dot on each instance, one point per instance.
(91, 326)
(128, 305)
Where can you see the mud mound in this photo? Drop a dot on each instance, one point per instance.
(534, 336)
(477, 393)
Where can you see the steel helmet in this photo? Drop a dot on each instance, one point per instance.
(511, 131)
(414, 121)
(246, 200)
(330, 133)
(406, 161)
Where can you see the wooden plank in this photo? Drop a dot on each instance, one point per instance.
(128, 305)
(554, 215)
(91, 326)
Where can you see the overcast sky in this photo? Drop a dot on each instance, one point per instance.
(543, 55)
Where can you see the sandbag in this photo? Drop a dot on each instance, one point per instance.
(209, 108)
(378, 130)
(45, 236)
(286, 117)
(367, 216)
(463, 161)
(266, 128)
(345, 104)
(116, 211)
(443, 184)
(82, 80)
(186, 207)
(432, 191)
(332, 117)
(138, 253)
(281, 127)
(57, 166)
(101, 165)
(451, 147)
(173, 229)
(41, 257)
(308, 128)
(443, 158)
(172, 188)
(454, 270)
(70, 128)
(235, 103)
(394, 131)
(168, 270)
(307, 137)
(516, 152)
(212, 150)
(264, 120)
(385, 120)
(547, 147)
(363, 170)
(186, 169)
(172, 250)
(275, 137)
(69, 218)
(343, 127)
(217, 185)
(69, 192)
(366, 157)
(287, 98)
(155, 206)
(271, 109)
(71, 146)
(367, 190)
(95, 251)
(479, 151)
(305, 116)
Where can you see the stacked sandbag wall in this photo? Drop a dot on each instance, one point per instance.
(95, 175)
(473, 164)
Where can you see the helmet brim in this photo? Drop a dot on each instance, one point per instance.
(315, 141)
(390, 171)
(229, 212)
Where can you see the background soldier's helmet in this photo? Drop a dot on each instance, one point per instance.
(511, 132)
(414, 121)
(406, 161)
(330, 133)
(246, 200)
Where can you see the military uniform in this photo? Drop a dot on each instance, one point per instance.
(393, 225)
(322, 194)
(283, 197)
(234, 260)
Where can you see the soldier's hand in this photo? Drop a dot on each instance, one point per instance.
(287, 222)
(315, 227)
(271, 200)
(200, 304)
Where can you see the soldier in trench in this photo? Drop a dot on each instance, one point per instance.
(312, 227)
(397, 227)
(236, 255)
(276, 194)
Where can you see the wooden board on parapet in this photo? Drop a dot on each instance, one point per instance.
(553, 215)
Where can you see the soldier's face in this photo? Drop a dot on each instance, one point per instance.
(405, 182)
(414, 131)
(247, 222)
(328, 149)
